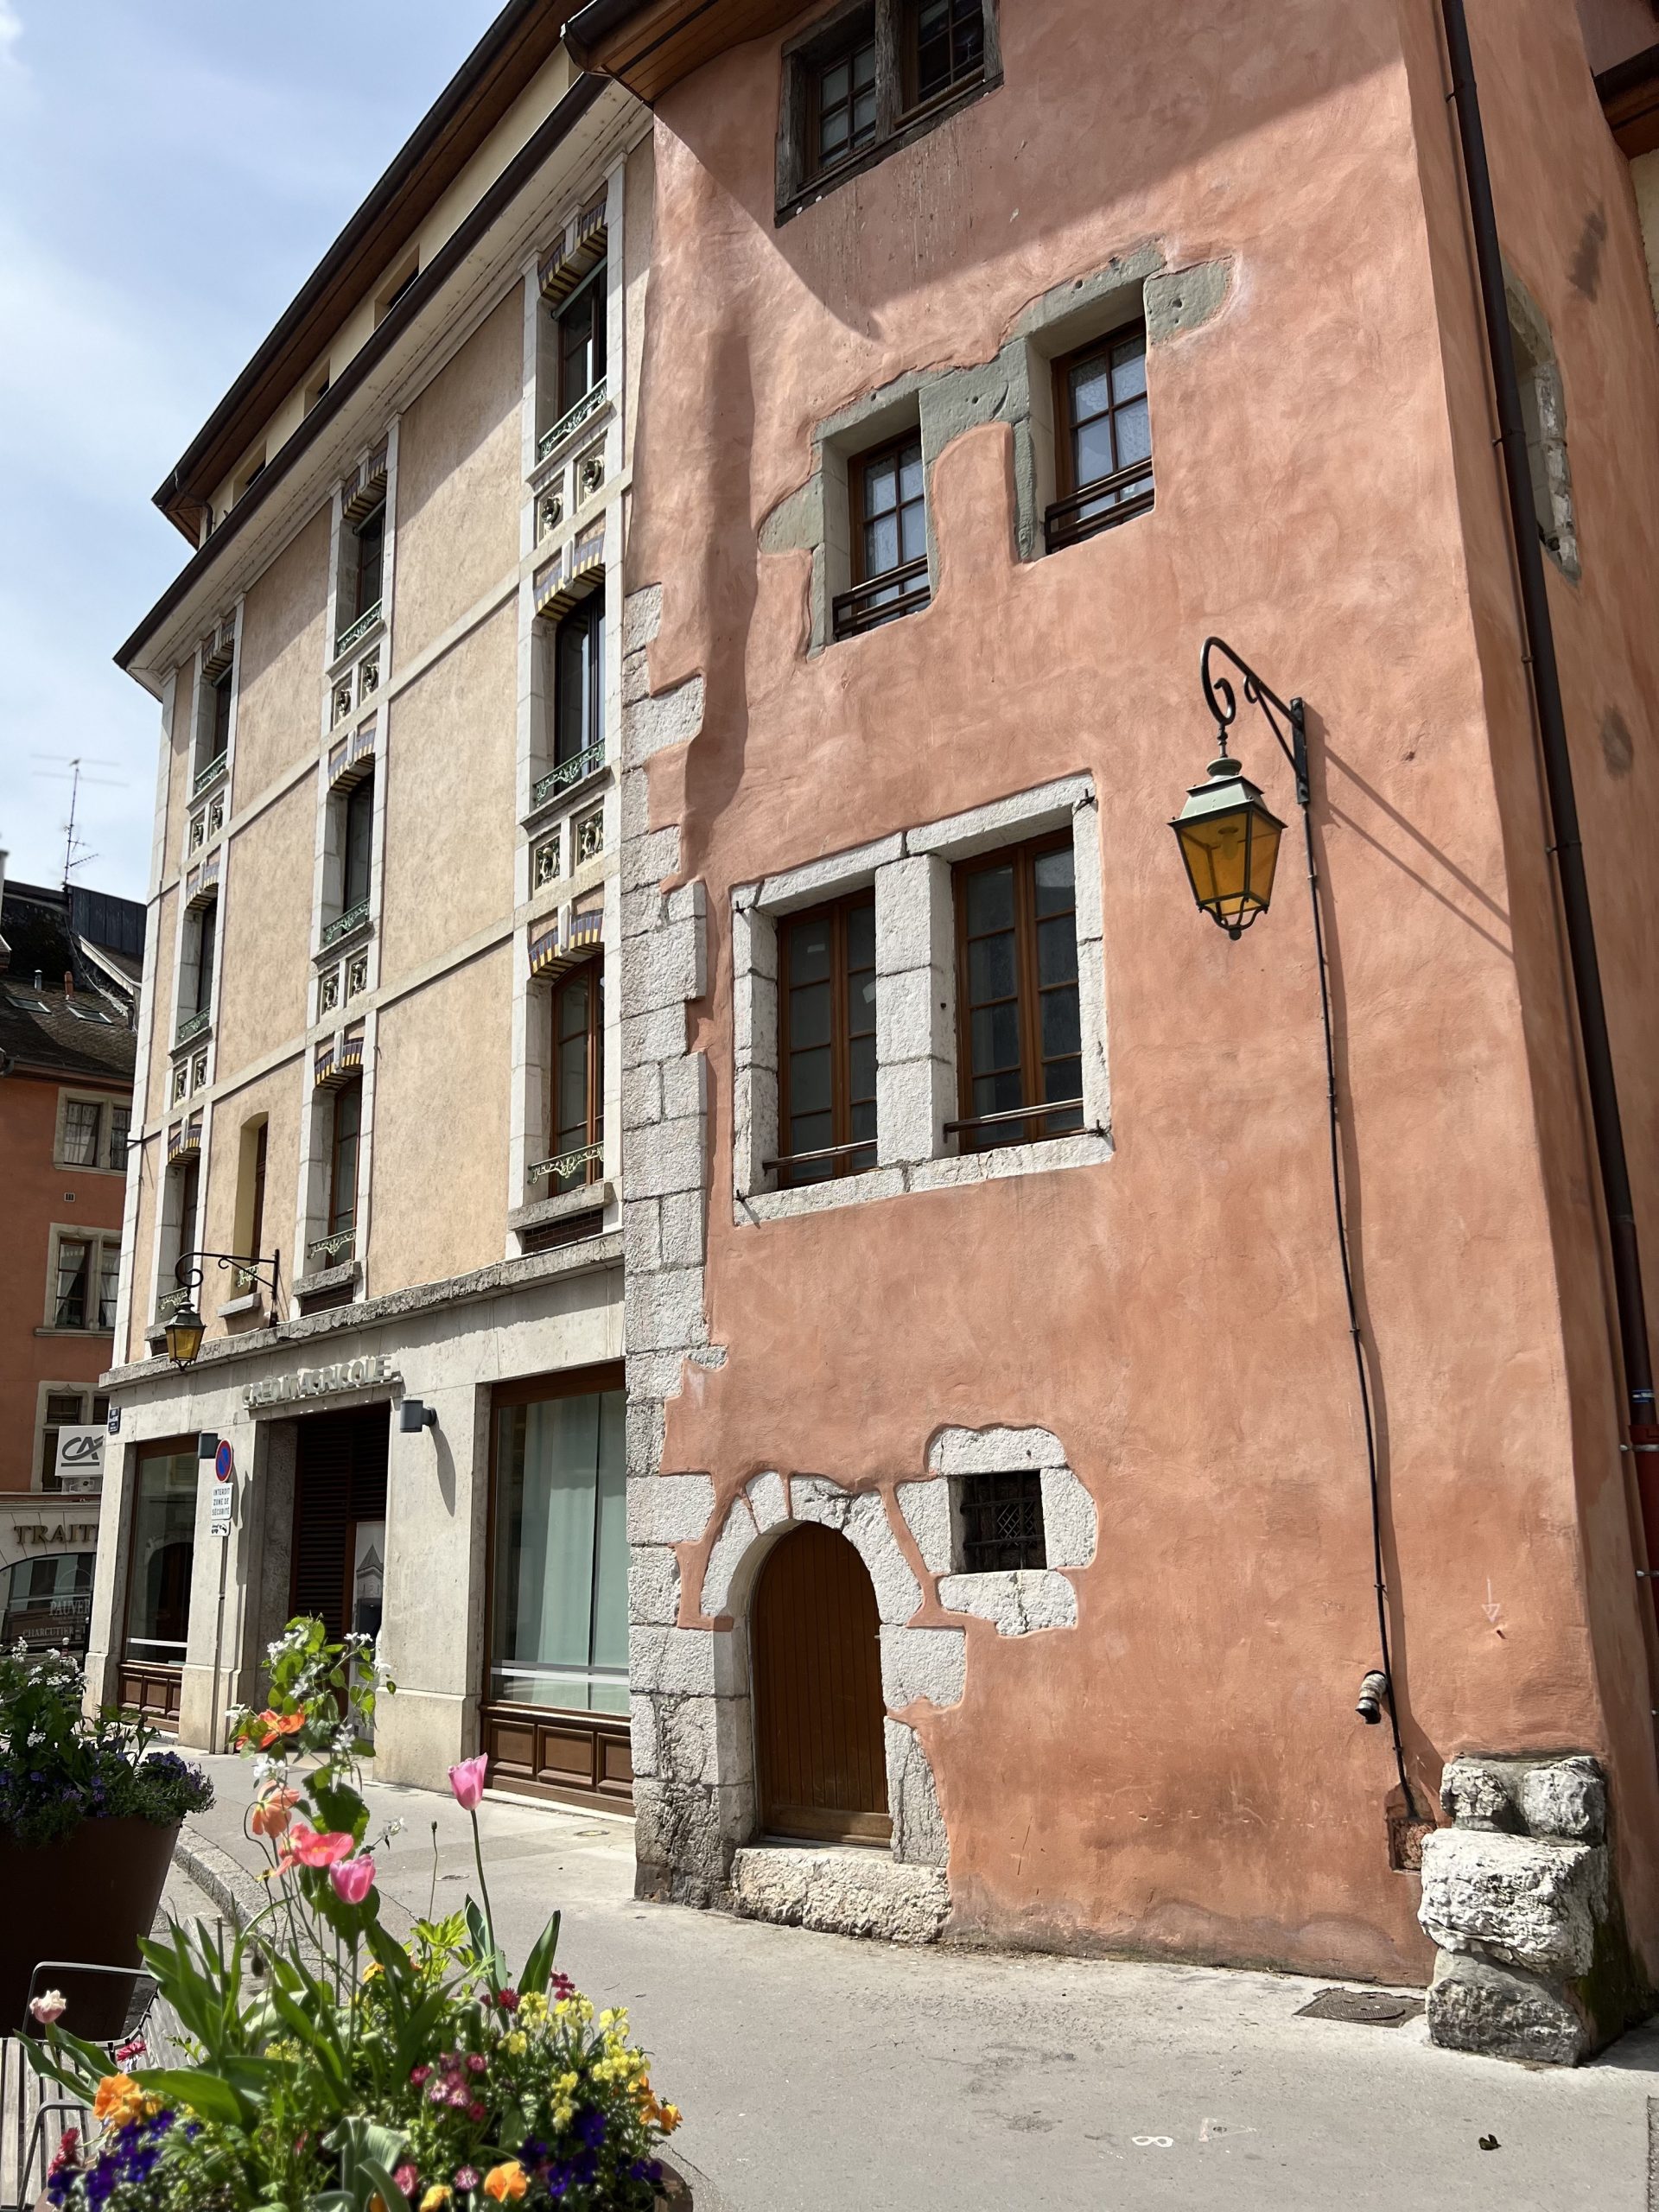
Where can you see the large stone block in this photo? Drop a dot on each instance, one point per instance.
(732, 1546)
(1566, 1798)
(842, 1892)
(918, 1835)
(993, 1450)
(653, 1585)
(666, 1159)
(1069, 1521)
(691, 1827)
(1528, 1904)
(666, 1310)
(1482, 1793)
(683, 1662)
(1019, 1601)
(912, 915)
(669, 1508)
(930, 1519)
(1474, 2004)
(898, 1594)
(671, 718)
(924, 1663)
(690, 1739)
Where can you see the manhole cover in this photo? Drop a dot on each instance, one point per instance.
(1371, 2008)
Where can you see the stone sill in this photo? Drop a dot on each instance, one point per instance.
(587, 1198)
(327, 1279)
(326, 955)
(1085, 1148)
(500, 1280)
(542, 470)
(347, 659)
(250, 1303)
(541, 818)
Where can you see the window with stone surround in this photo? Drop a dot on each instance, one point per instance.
(932, 955)
(888, 492)
(92, 1131)
(826, 1007)
(362, 571)
(1001, 1517)
(1103, 446)
(873, 77)
(576, 1087)
(85, 1273)
(578, 687)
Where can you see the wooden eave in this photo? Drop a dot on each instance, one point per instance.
(1630, 100)
(521, 39)
(649, 45)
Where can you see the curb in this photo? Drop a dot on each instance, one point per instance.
(218, 1877)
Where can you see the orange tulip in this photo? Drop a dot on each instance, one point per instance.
(278, 1724)
(271, 1811)
(505, 2181)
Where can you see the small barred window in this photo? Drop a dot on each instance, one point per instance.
(1001, 1522)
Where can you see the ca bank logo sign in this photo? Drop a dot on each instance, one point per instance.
(80, 1459)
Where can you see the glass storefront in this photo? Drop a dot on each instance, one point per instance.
(559, 1594)
(162, 1553)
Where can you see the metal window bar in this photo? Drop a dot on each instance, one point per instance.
(359, 630)
(1019, 1113)
(1126, 492)
(352, 918)
(1002, 1523)
(570, 772)
(588, 406)
(192, 1025)
(331, 1247)
(884, 598)
(208, 775)
(568, 1163)
(828, 1152)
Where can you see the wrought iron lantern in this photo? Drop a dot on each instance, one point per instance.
(1228, 835)
(185, 1330)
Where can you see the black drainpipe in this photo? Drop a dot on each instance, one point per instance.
(1558, 767)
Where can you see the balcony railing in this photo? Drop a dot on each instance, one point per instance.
(192, 1025)
(572, 420)
(1099, 507)
(170, 1302)
(207, 775)
(883, 599)
(330, 1250)
(569, 773)
(358, 631)
(569, 1164)
(352, 918)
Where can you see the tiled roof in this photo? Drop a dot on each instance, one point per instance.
(63, 1034)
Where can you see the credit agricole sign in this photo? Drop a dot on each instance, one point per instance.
(321, 1382)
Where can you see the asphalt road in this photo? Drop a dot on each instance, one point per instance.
(822, 2074)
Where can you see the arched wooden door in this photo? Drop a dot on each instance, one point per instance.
(817, 1692)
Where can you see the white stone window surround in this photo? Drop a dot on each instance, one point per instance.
(316, 1147)
(916, 1011)
(199, 687)
(1018, 1600)
(328, 880)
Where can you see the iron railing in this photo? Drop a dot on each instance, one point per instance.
(569, 774)
(337, 1246)
(353, 917)
(883, 599)
(572, 420)
(359, 630)
(208, 775)
(192, 1025)
(1099, 507)
(569, 1163)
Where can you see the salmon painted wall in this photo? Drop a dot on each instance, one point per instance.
(38, 1196)
(1183, 1771)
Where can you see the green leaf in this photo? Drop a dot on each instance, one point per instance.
(538, 1966)
(342, 1808)
(210, 2096)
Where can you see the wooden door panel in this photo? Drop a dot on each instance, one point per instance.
(817, 1692)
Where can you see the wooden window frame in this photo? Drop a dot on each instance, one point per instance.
(336, 1227)
(592, 972)
(802, 179)
(910, 65)
(1061, 524)
(593, 284)
(843, 1146)
(853, 613)
(970, 1128)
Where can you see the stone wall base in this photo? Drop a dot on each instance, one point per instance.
(841, 1891)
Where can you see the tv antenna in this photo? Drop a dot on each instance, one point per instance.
(76, 853)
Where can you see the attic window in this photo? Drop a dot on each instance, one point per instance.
(26, 998)
(395, 290)
(83, 1013)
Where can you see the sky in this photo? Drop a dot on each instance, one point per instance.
(170, 173)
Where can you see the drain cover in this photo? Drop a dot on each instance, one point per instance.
(1371, 2008)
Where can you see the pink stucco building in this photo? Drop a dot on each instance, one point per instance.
(1000, 1495)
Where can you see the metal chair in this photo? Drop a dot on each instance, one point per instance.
(28, 2101)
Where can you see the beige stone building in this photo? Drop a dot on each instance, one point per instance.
(376, 1067)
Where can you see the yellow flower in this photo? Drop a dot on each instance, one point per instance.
(517, 2044)
(373, 1968)
(532, 2007)
(436, 2198)
(507, 2180)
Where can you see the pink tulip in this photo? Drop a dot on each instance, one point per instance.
(314, 1848)
(49, 2006)
(353, 1879)
(468, 1780)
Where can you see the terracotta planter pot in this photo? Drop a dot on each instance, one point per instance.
(90, 1898)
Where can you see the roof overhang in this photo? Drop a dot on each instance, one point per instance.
(1630, 100)
(649, 45)
(520, 40)
(593, 123)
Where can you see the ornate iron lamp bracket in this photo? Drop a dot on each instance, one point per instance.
(188, 1272)
(1286, 719)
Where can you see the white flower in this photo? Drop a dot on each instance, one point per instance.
(51, 2004)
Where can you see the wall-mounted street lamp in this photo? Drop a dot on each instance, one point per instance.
(1228, 835)
(185, 1326)
(413, 1417)
(1229, 838)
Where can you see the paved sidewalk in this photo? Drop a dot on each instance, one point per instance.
(822, 2074)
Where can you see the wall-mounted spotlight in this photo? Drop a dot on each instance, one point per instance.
(1372, 1692)
(413, 1417)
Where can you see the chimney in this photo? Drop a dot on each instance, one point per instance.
(69, 983)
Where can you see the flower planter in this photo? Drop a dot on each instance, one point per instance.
(89, 1897)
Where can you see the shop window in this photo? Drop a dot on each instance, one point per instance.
(873, 79)
(826, 1002)
(159, 1557)
(1103, 447)
(48, 1602)
(85, 1282)
(1021, 1047)
(887, 492)
(576, 1103)
(579, 687)
(559, 1587)
(362, 571)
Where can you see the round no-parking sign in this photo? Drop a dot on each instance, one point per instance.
(223, 1460)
